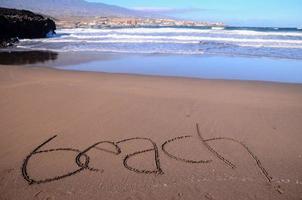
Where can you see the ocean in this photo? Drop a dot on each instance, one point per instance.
(230, 53)
(222, 41)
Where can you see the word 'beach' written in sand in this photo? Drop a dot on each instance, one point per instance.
(82, 159)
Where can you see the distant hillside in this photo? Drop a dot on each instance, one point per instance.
(59, 8)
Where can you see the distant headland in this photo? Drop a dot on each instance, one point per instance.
(83, 14)
(123, 22)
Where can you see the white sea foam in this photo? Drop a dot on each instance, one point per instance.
(112, 50)
(184, 38)
(174, 40)
(218, 30)
(115, 38)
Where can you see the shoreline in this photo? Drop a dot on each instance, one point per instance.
(207, 67)
(139, 133)
(61, 69)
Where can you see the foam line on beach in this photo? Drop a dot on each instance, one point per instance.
(181, 30)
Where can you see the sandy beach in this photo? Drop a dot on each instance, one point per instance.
(84, 135)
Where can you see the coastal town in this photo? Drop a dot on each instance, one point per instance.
(109, 22)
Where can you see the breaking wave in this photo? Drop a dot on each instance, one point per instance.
(269, 42)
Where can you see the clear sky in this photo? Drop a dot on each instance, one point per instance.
(282, 13)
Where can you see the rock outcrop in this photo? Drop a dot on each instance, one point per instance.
(23, 24)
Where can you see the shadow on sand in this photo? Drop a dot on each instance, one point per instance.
(26, 57)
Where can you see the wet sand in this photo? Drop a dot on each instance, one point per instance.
(82, 135)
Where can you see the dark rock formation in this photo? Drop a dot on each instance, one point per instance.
(23, 24)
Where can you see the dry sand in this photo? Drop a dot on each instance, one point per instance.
(248, 146)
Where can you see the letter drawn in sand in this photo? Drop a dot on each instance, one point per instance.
(84, 153)
(31, 180)
(229, 163)
(154, 149)
(178, 158)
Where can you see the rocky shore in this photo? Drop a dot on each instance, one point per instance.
(23, 24)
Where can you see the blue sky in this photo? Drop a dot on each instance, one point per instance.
(282, 13)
